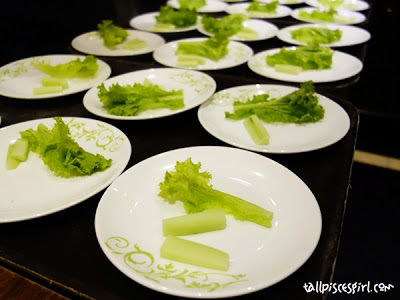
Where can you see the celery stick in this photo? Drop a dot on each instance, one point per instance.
(188, 60)
(134, 44)
(163, 27)
(208, 220)
(193, 253)
(48, 89)
(247, 33)
(256, 129)
(52, 81)
(11, 162)
(290, 69)
(20, 149)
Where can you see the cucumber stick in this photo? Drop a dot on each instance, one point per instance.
(289, 69)
(256, 130)
(17, 153)
(11, 162)
(193, 253)
(208, 220)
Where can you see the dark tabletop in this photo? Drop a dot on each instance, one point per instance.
(61, 250)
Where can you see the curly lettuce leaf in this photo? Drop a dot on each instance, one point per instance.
(319, 15)
(131, 100)
(191, 4)
(61, 153)
(256, 6)
(112, 35)
(310, 57)
(73, 69)
(213, 48)
(180, 18)
(192, 187)
(316, 35)
(226, 26)
(300, 106)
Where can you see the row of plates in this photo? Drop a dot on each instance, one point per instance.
(130, 202)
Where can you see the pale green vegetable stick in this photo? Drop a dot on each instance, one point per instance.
(193, 253)
(256, 130)
(208, 220)
(11, 162)
(20, 149)
(47, 89)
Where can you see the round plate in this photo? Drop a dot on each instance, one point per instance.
(241, 8)
(284, 138)
(350, 17)
(355, 5)
(19, 78)
(130, 209)
(264, 29)
(289, 2)
(351, 35)
(343, 66)
(211, 6)
(238, 53)
(146, 22)
(197, 87)
(32, 190)
(93, 43)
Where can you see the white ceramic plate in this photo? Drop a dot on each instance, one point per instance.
(351, 35)
(241, 8)
(19, 78)
(93, 43)
(284, 138)
(289, 2)
(355, 5)
(350, 17)
(238, 53)
(146, 22)
(130, 209)
(32, 190)
(343, 66)
(197, 87)
(264, 29)
(211, 6)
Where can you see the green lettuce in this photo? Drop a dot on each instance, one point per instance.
(192, 187)
(331, 3)
(112, 35)
(319, 15)
(256, 6)
(191, 4)
(130, 100)
(310, 57)
(300, 106)
(61, 153)
(182, 17)
(316, 35)
(213, 48)
(73, 69)
(226, 26)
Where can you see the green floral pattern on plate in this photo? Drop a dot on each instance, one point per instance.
(198, 83)
(143, 263)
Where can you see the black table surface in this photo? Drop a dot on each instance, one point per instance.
(61, 250)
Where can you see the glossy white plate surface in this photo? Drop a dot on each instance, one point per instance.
(238, 53)
(19, 78)
(211, 6)
(32, 190)
(355, 5)
(343, 66)
(350, 17)
(93, 43)
(284, 138)
(129, 231)
(351, 35)
(265, 30)
(197, 87)
(241, 8)
(146, 22)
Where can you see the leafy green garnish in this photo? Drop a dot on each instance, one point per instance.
(213, 48)
(182, 17)
(112, 35)
(226, 26)
(310, 57)
(73, 69)
(191, 4)
(300, 106)
(192, 187)
(130, 100)
(330, 16)
(256, 6)
(331, 3)
(61, 153)
(316, 35)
